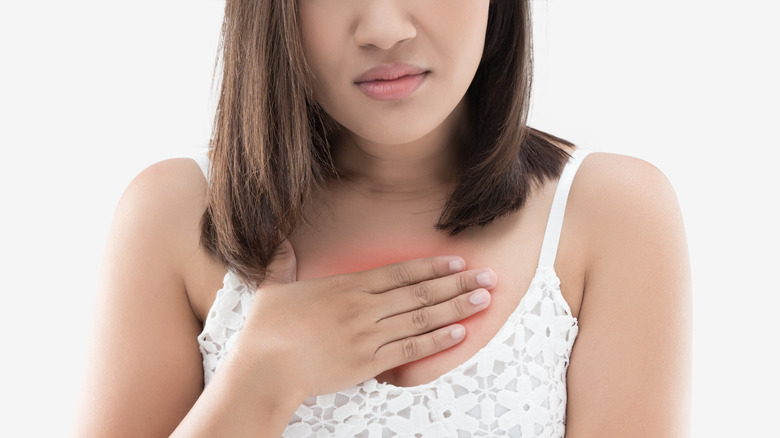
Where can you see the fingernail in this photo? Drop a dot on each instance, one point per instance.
(457, 332)
(457, 265)
(486, 278)
(479, 297)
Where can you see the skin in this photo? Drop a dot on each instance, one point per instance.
(622, 259)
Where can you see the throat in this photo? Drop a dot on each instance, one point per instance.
(348, 232)
(427, 167)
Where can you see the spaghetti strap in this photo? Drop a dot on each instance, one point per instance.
(204, 163)
(552, 234)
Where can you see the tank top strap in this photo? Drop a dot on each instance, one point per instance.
(204, 163)
(552, 234)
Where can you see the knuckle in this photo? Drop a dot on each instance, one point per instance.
(338, 281)
(354, 310)
(436, 340)
(399, 275)
(346, 282)
(434, 270)
(420, 319)
(409, 349)
(457, 307)
(422, 294)
(462, 283)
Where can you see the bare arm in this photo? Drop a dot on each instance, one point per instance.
(630, 369)
(144, 371)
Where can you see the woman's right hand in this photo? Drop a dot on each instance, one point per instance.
(327, 334)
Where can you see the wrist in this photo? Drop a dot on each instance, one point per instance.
(242, 400)
(267, 375)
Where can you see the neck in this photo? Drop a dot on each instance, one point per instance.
(426, 167)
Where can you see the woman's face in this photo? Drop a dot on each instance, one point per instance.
(391, 71)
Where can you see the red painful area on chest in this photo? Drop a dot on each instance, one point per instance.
(480, 327)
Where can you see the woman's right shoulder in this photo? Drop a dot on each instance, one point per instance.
(147, 382)
(163, 206)
(168, 180)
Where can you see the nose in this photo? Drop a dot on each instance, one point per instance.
(383, 24)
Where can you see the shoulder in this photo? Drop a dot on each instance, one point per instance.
(617, 196)
(162, 207)
(621, 176)
(168, 180)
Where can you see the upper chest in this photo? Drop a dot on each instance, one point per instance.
(510, 247)
(363, 237)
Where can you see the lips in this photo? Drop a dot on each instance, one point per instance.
(388, 72)
(391, 81)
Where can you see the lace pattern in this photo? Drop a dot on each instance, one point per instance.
(225, 320)
(515, 386)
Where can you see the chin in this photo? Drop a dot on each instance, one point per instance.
(389, 137)
(397, 132)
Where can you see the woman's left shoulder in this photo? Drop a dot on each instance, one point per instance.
(621, 172)
(617, 200)
(622, 186)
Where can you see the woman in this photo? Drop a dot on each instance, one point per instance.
(388, 241)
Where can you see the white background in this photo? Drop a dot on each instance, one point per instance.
(91, 92)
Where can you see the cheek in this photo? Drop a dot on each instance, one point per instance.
(319, 37)
(465, 46)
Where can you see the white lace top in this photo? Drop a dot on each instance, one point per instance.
(515, 386)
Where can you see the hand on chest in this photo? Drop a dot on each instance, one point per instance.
(509, 250)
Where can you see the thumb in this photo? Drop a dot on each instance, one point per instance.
(283, 267)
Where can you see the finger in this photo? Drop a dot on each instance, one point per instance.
(402, 274)
(432, 292)
(283, 266)
(426, 319)
(417, 347)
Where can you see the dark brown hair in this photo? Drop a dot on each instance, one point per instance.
(269, 143)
